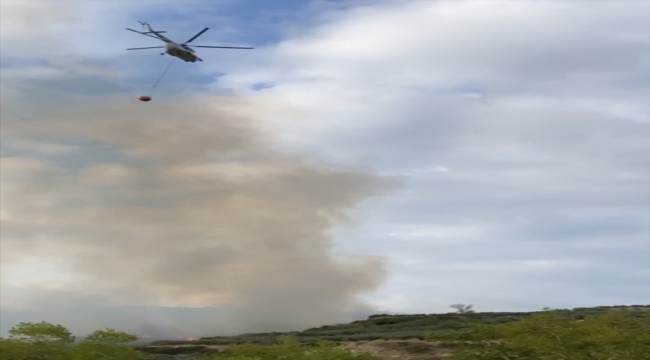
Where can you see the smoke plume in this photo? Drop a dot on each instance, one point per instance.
(181, 202)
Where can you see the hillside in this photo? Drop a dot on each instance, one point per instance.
(390, 336)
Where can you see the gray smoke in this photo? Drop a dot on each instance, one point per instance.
(180, 202)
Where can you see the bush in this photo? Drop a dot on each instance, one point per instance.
(549, 336)
(35, 341)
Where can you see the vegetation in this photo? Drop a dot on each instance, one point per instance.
(286, 349)
(621, 333)
(45, 341)
(616, 334)
(394, 327)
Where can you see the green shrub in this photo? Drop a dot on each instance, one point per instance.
(550, 336)
(35, 341)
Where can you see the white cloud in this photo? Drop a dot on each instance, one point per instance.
(353, 82)
(561, 127)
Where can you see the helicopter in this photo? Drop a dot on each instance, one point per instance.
(182, 51)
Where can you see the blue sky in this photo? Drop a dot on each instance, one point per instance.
(390, 156)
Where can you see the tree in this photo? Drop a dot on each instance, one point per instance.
(36, 341)
(41, 332)
(107, 344)
(462, 308)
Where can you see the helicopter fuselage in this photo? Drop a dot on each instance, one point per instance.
(181, 52)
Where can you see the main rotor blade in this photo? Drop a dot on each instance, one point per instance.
(220, 47)
(195, 36)
(150, 47)
(141, 33)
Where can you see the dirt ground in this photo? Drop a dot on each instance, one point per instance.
(399, 349)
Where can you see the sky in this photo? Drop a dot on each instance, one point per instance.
(391, 156)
